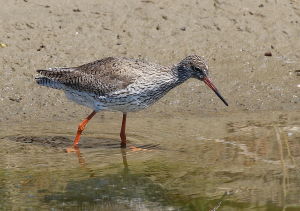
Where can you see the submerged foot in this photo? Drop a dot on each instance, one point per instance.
(73, 148)
(137, 149)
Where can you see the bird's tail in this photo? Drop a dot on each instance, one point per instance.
(44, 81)
(57, 73)
(53, 77)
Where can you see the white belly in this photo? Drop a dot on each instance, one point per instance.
(123, 103)
(133, 98)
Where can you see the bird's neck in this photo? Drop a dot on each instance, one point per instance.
(180, 74)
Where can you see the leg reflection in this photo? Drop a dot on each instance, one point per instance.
(79, 155)
(82, 162)
(124, 157)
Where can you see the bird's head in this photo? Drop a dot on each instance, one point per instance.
(196, 67)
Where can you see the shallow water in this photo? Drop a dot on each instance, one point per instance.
(237, 161)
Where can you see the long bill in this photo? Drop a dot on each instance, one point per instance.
(210, 84)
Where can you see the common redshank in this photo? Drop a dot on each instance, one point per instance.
(122, 84)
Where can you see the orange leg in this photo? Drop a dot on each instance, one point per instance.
(123, 136)
(81, 128)
(122, 133)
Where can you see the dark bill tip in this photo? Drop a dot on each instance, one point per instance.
(210, 85)
(220, 96)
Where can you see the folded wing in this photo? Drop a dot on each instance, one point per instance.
(100, 77)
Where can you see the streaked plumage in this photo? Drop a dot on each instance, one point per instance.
(122, 84)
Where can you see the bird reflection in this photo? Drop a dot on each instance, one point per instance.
(117, 188)
(82, 162)
(113, 189)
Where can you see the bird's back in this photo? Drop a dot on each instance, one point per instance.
(100, 77)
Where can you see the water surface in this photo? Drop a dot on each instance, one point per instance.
(240, 161)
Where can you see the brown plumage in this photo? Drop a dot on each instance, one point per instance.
(99, 77)
(122, 84)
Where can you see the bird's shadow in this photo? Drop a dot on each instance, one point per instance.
(64, 142)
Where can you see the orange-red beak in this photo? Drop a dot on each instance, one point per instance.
(210, 84)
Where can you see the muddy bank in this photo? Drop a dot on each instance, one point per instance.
(233, 35)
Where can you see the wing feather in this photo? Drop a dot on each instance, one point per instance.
(100, 77)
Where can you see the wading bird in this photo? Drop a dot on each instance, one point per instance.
(122, 84)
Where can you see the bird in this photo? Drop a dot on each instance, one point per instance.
(122, 84)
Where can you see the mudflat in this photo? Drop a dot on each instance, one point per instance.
(252, 47)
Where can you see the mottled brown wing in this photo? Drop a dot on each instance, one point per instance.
(100, 77)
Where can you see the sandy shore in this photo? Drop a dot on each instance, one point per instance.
(233, 35)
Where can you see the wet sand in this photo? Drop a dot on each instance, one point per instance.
(232, 35)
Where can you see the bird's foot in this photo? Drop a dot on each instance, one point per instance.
(137, 149)
(73, 148)
(123, 145)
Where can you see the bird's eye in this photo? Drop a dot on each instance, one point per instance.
(196, 69)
